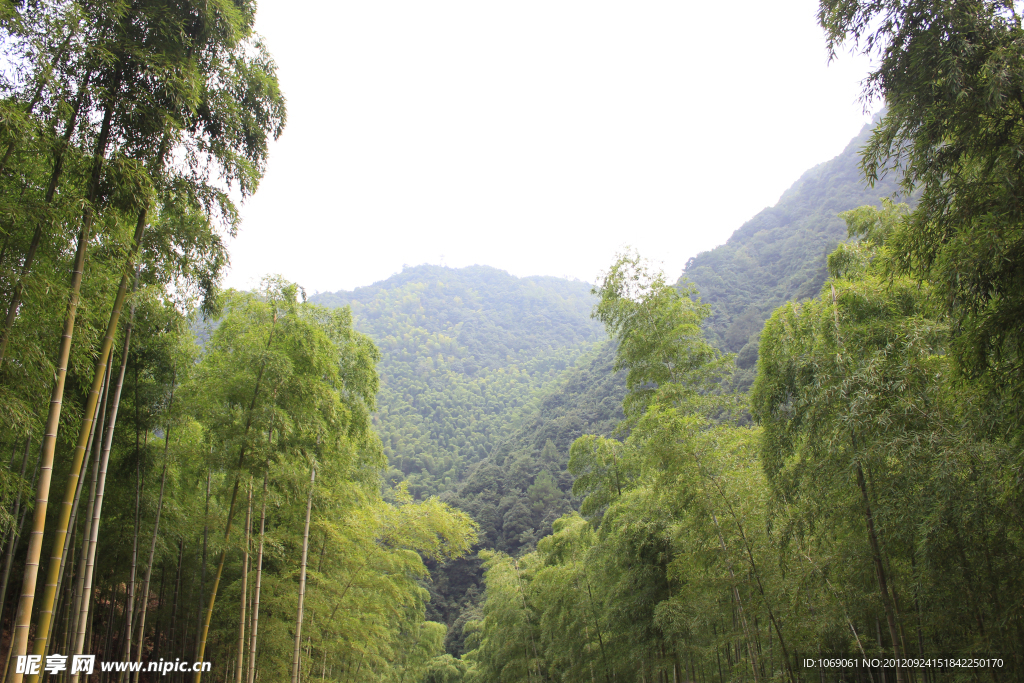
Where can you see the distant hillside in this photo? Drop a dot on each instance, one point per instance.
(522, 486)
(779, 254)
(465, 350)
(500, 491)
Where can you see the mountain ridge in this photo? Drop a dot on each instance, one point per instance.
(464, 353)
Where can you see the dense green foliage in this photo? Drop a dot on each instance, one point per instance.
(866, 430)
(523, 486)
(464, 352)
(951, 74)
(117, 117)
(847, 525)
(279, 387)
(504, 493)
(283, 387)
(496, 492)
(638, 514)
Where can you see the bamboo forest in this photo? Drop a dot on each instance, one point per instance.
(800, 460)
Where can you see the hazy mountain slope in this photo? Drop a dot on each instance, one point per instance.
(464, 352)
(779, 254)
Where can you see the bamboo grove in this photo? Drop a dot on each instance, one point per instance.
(194, 474)
(871, 514)
(180, 490)
(873, 507)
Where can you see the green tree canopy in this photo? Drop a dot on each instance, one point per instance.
(950, 74)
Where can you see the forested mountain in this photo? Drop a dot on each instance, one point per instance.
(517, 492)
(779, 254)
(486, 380)
(464, 353)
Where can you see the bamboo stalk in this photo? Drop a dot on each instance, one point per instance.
(206, 533)
(69, 538)
(753, 567)
(97, 454)
(256, 592)
(302, 576)
(177, 591)
(244, 592)
(100, 487)
(21, 528)
(883, 587)
(156, 529)
(129, 612)
(35, 544)
(32, 558)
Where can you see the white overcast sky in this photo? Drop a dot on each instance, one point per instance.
(537, 136)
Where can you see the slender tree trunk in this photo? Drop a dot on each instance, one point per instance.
(13, 535)
(754, 571)
(21, 529)
(89, 631)
(101, 419)
(302, 576)
(174, 605)
(69, 538)
(360, 665)
(216, 582)
(206, 533)
(188, 614)
(718, 656)
(108, 437)
(586, 633)
(529, 622)
(109, 638)
(883, 585)
(66, 607)
(256, 592)
(839, 600)
(129, 609)
(739, 602)
(156, 531)
(597, 627)
(244, 595)
(158, 631)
